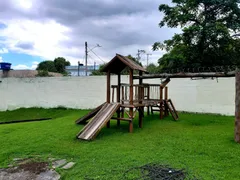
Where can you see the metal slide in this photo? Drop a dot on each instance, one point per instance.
(98, 121)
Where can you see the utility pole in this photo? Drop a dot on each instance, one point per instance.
(148, 54)
(94, 66)
(78, 67)
(86, 54)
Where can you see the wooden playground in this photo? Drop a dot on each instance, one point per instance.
(124, 101)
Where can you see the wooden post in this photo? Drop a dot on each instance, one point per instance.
(166, 98)
(108, 86)
(113, 89)
(148, 96)
(131, 99)
(108, 92)
(122, 114)
(118, 97)
(161, 102)
(237, 107)
(166, 93)
(141, 96)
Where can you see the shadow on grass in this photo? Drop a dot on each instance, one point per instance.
(36, 113)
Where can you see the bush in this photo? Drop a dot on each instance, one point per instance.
(43, 73)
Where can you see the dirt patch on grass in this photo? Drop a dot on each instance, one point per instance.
(34, 167)
(29, 170)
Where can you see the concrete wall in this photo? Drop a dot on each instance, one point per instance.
(88, 92)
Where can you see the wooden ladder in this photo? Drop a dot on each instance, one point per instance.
(172, 109)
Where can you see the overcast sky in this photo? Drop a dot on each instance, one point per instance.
(35, 30)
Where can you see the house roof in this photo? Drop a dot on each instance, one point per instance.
(119, 63)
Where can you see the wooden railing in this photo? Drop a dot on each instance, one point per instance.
(125, 93)
(140, 92)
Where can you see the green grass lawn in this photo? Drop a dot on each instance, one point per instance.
(202, 144)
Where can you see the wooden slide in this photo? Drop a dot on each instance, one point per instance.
(88, 116)
(104, 115)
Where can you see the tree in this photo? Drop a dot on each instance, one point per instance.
(134, 59)
(206, 38)
(152, 68)
(58, 65)
(99, 71)
(47, 66)
(126, 70)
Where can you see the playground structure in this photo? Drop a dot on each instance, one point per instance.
(127, 99)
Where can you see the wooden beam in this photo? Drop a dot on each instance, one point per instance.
(131, 99)
(188, 75)
(161, 102)
(148, 96)
(108, 86)
(237, 108)
(122, 112)
(108, 92)
(113, 89)
(118, 97)
(166, 98)
(166, 93)
(140, 96)
(140, 80)
(118, 87)
(130, 86)
(165, 82)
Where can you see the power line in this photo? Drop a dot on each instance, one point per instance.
(94, 60)
(96, 55)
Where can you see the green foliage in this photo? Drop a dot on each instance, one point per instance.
(207, 26)
(58, 65)
(47, 66)
(126, 70)
(134, 59)
(43, 73)
(99, 71)
(152, 68)
(202, 144)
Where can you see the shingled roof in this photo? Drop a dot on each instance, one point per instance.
(119, 63)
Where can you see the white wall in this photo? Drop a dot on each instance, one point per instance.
(88, 92)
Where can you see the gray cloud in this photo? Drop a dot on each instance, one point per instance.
(119, 26)
(68, 12)
(25, 45)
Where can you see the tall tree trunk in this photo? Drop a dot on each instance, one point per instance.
(237, 107)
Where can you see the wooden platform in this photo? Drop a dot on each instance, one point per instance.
(147, 102)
